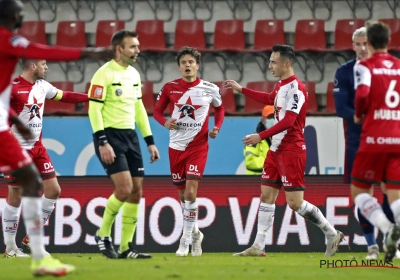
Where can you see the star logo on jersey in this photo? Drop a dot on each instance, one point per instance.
(187, 109)
(34, 108)
(388, 63)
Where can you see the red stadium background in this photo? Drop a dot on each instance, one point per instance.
(228, 215)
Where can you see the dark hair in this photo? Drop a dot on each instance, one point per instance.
(188, 50)
(378, 34)
(7, 10)
(119, 36)
(285, 52)
(26, 63)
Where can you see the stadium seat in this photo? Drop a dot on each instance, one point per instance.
(330, 101)
(34, 31)
(229, 36)
(252, 106)
(53, 107)
(148, 96)
(105, 30)
(312, 98)
(151, 35)
(71, 34)
(190, 33)
(228, 99)
(310, 35)
(268, 33)
(344, 32)
(394, 24)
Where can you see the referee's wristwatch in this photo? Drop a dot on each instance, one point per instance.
(102, 142)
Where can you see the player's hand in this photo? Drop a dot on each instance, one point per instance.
(98, 53)
(231, 84)
(24, 131)
(107, 154)
(154, 154)
(170, 124)
(214, 132)
(251, 139)
(358, 120)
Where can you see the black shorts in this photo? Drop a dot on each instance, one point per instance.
(126, 147)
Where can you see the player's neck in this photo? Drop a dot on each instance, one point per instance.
(189, 79)
(28, 77)
(373, 51)
(288, 74)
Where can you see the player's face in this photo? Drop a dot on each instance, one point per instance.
(276, 65)
(360, 47)
(129, 50)
(188, 67)
(40, 69)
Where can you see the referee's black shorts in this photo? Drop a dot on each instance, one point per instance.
(126, 147)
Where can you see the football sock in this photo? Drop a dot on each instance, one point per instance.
(266, 213)
(47, 208)
(130, 212)
(367, 228)
(10, 226)
(371, 210)
(311, 213)
(196, 225)
(395, 206)
(112, 207)
(189, 218)
(386, 209)
(31, 208)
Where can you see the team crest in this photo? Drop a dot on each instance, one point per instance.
(34, 108)
(118, 92)
(188, 109)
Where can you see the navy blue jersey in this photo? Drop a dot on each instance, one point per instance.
(344, 94)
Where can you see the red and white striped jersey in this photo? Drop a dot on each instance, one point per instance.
(28, 100)
(291, 95)
(189, 104)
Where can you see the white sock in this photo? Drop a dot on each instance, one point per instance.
(189, 218)
(266, 214)
(395, 206)
(31, 210)
(372, 211)
(47, 208)
(311, 213)
(10, 226)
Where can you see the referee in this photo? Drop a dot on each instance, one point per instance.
(115, 108)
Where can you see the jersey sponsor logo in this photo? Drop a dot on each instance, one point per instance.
(208, 84)
(176, 91)
(22, 91)
(188, 109)
(19, 41)
(34, 108)
(385, 71)
(207, 93)
(97, 92)
(388, 63)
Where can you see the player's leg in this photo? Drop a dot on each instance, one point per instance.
(270, 186)
(392, 179)
(130, 208)
(51, 188)
(10, 219)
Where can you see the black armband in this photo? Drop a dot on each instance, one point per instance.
(149, 140)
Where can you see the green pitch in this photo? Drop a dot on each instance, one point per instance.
(210, 266)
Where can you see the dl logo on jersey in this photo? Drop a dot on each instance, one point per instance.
(48, 165)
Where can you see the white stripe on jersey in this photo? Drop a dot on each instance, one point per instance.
(5, 108)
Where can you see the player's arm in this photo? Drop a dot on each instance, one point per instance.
(70, 96)
(20, 47)
(263, 97)
(363, 85)
(341, 93)
(161, 104)
(219, 113)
